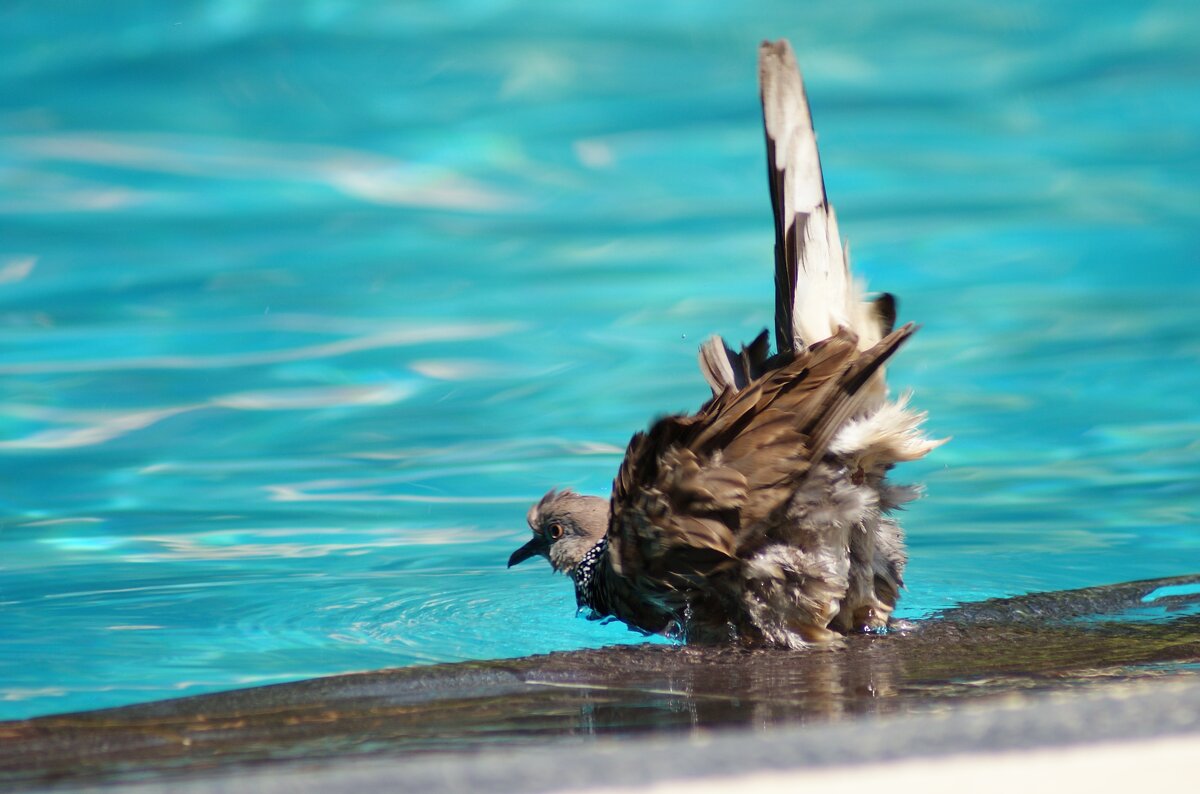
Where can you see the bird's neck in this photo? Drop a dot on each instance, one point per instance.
(585, 574)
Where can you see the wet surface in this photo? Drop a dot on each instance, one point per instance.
(1044, 642)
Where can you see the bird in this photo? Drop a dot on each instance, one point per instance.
(766, 518)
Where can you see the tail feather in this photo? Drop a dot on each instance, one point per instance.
(725, 369)
(815, 293)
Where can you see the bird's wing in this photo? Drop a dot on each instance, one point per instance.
(690, 486)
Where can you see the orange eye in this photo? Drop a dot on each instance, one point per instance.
(555, 530)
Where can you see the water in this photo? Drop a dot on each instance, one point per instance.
(300, 308)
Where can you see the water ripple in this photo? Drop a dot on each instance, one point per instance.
(365, 176)
(98, 427)
(396, 338)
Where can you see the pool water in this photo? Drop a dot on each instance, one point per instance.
(301, 305)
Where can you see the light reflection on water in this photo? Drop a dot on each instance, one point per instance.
(298, 313)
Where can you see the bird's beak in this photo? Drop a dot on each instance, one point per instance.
(531, 549)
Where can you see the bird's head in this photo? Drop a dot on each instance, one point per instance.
(565, 527)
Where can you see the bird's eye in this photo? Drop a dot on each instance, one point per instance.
(555, 530)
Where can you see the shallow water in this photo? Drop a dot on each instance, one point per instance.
(300, 311)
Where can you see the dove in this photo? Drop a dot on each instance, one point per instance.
(767, 517)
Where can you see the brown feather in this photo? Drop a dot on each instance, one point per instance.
(691, 483)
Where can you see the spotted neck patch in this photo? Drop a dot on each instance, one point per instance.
(585, 571)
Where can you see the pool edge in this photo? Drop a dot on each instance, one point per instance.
(1112, 723)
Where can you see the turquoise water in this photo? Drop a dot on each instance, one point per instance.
(301, 304)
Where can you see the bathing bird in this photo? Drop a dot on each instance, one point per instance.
(765, 518)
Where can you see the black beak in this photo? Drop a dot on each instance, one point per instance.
(531, 549)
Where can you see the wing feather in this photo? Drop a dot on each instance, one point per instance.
(690, 485)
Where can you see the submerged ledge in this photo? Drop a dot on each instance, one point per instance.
(1020, 653)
